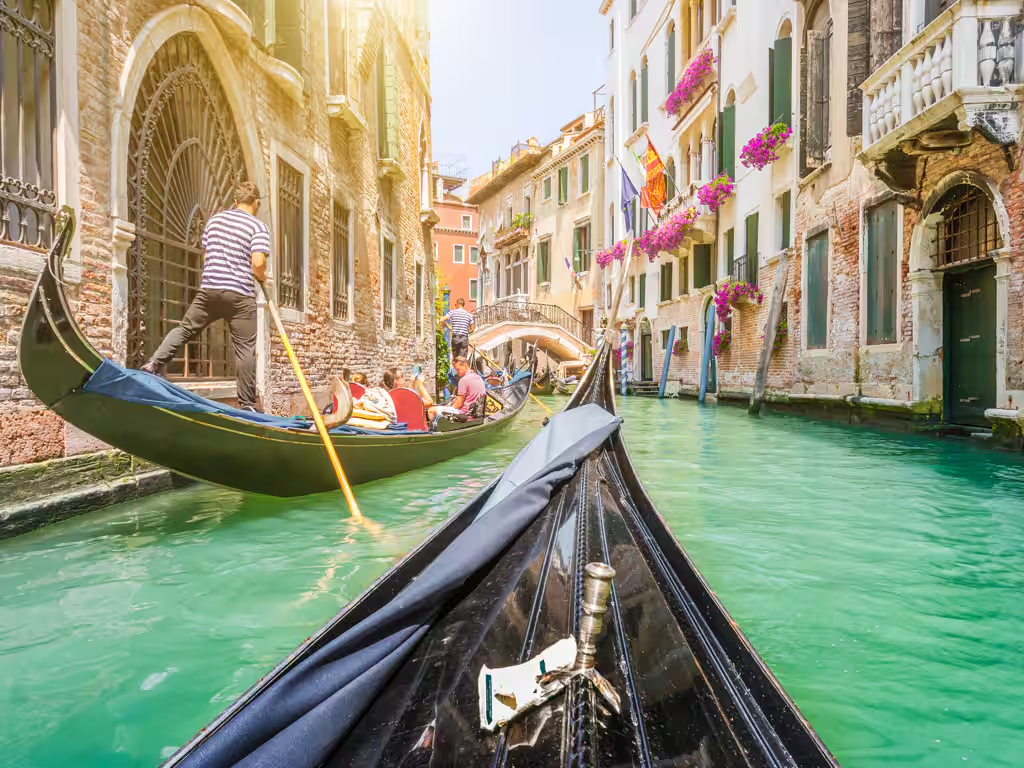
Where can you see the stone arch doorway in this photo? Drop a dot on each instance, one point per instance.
(959, 267)
(184, 159)
(646, 351)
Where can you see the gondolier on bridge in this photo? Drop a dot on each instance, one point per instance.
(235, 248)
(460, 323)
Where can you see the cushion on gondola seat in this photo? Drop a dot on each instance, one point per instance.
(409, 408)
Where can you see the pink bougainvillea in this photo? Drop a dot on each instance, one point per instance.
(730, 294)
(624, 353)
(763, 149)
(716, 192)
(722, 342)
(616, 253)
(689, 84)
(680, 348)
(669, 235)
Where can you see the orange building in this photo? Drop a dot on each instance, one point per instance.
(456, 250)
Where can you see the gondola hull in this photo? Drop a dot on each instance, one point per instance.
(693, 690)
(56, 360)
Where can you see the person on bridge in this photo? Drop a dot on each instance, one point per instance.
(460, 323)
(235, 248)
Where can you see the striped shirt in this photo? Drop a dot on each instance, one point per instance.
(230, 239)
(460, 320)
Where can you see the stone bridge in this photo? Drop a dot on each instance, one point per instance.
(554, 330)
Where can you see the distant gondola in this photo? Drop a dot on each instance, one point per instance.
(545, 383)
(404, 675)
(155, 420)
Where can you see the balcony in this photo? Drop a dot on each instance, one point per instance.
(517, 231)
(960, 72)
(525, 156)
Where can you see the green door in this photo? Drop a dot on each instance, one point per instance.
(646, 357)
(970, 347)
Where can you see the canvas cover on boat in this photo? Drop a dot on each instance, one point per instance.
(113, 380)
(302, 717)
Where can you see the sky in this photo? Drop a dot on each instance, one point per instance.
(503, 71)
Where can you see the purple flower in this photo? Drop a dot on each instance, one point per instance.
(691, 81)
(763, 149)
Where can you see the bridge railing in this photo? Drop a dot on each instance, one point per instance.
(529, 312)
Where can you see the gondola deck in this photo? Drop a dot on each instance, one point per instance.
(693, 690)
(56, 360)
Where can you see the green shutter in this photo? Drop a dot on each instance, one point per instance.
(585, 173)
(632, 289)
(563, 185)
(751, 254)
(702, 272)
(666, 282)
(771, 86)
(730, 250)
(643, 291)
(684, 287)
(587, 247)
(644, 115)
(817, 292)
(727, 141)
(787, 198)
(782, 77)
(577, 258)
(883, 264)
(670, 58)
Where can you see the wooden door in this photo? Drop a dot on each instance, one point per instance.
(970, 345)
(646, 357)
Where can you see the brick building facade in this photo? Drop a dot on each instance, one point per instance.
(154, 111)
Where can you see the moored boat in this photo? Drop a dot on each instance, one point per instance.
(424, 667)
(568, 376)
(153, 419)
(545, 383)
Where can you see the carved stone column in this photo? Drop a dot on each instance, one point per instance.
(926, 309)
(123, 237)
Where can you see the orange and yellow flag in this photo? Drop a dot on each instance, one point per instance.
(654, 193)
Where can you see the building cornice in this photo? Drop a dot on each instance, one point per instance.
(456, 231)
(568, 154)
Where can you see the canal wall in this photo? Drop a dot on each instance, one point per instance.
(38, 494)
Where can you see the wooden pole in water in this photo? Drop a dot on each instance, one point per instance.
(318, 420)
(778, 297)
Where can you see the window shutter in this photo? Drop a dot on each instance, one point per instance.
(771, 86)
(730, 250)
(644, 117)
(391, 86)
(635, 114)
(666, 282)
(883, 33)
(752, 258)
(577, 260)
(684, 287)
(288, 30)
(585, 173)
(701, 266)
(643, 290)
(670, 58)
(817, 292)
(814, 139)
(787, 198)
(727, 158)
(782, 95)
(858, 50)
(881, 274)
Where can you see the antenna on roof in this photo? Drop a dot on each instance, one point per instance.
(595, 94)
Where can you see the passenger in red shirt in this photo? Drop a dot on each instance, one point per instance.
(471, 389)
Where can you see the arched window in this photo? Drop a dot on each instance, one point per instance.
(644, 88)
(670, 58)
(968, 230)
(497, 278)
(635, 113)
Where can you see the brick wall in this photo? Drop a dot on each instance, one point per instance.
(341, 160)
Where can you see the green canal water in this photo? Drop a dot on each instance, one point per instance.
(880, 576)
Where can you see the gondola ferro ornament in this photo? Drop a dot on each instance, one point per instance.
(508, 692)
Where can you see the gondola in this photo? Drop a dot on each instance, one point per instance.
(545, 383)
(565, 549)
(155, 420)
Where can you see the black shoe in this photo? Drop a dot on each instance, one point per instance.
(155, 368)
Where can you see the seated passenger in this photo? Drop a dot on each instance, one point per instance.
(359, 378)
(393, 379)
(471, 390)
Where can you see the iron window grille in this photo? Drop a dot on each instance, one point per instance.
(968, 230)
(387, 296)
(342, 273)
(290, 204)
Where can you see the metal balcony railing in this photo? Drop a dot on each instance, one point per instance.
(506, 311)
(744, 270)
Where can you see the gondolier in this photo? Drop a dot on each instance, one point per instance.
(235, 249)
(460, 322)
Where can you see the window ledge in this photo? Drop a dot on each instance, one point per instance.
(284, 74)
(886, 348)
(342, 325)
(776, 256)
(816, 352)
(293, 316)
(665, 302)
(582, 195)
(342, 108)
(726, 20)
(638, 134)
(813, 175)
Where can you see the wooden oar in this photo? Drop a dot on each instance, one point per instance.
(331, 453)
(491, 362)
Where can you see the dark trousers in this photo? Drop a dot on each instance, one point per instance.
(460, 345)
(240, 313)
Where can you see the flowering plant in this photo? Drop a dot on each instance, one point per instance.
(669, 236)
(624, 353)
(763, 149)
(716, 192)
(616, 253)
(680, 348)
(693, 78)
(723, 340)
(781, 334)
(730, 294)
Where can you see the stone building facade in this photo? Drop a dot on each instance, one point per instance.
(147, 113)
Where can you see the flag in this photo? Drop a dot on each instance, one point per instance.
(654, 193)
(629, 194)
(572, 273)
